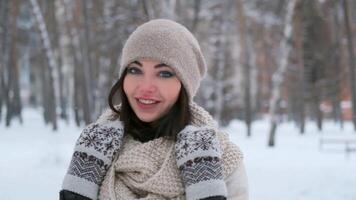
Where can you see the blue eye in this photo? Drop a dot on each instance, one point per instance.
(165, 74)
(133, 70)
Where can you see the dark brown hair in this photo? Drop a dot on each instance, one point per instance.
(166, 126)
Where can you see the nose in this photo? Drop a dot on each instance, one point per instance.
(147, 85)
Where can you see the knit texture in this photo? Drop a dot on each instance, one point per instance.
(150, 171)
(94, 151)
(198, 157)
(171, 43)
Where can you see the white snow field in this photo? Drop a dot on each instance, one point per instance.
(33, 160)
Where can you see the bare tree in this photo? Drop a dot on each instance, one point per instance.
(87, 71)
(80, 44)
(4, 50)
(352, 63)
(160, 9)
(278, 76)
(53, 28)
(296, 96)
(51, 62)
(12, 90)
(245, 57)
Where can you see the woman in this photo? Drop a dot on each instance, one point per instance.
(158, 144)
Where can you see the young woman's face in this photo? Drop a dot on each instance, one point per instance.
(152, 88)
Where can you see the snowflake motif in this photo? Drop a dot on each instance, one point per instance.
(186, 146)
(90, 140)
(189, 142)
(109, 147)
(106, 140)
(204, 143)
(204, 140)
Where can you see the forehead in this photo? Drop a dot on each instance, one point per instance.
(146, 62)
(149, 61)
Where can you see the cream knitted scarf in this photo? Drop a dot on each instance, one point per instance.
(148, 171)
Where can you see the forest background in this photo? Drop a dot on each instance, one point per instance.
(287, 60)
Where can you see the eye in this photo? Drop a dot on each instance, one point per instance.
(166, 74)
(133, 70)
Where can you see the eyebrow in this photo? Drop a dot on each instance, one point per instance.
(156, 66)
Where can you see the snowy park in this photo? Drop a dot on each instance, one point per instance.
(277, 76)
(34, 160)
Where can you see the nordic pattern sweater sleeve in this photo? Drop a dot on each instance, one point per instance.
(198, 156)
(94, 151)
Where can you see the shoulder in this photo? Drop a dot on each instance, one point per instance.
(232, 155)
(108, 117)
(237, 184)
(234, 168)
(107, 123)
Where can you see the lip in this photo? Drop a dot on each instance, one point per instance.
(146, 107)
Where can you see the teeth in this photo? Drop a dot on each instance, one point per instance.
(146, 101)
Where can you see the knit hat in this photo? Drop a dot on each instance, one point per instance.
(170, 43)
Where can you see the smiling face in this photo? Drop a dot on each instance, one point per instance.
(152, 88)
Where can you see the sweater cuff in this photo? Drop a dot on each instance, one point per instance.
(80, 186)
(211, 188)
(68, 195)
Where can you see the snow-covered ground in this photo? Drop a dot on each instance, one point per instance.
(33, 161)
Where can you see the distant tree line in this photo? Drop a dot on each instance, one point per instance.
(287, 59)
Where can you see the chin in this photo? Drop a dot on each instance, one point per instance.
(147, 119)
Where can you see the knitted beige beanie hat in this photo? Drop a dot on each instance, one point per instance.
(170, 43)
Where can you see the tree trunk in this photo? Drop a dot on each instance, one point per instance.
(74, 49)
(319, 113)
(197, 7)
(88, 80)
(278, 76)
(147, 8)
(352, 66)
(4, 52)
(168, 9)
(220, 64)
(245, 57)
(44, 88)
(271, 138)
(13, 101)
(336, 53)
(300, 99)
(51, 62)
(53, 28)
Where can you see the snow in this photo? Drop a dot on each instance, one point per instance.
(297, 169)
(34, 160)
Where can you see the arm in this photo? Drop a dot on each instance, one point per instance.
(237, 184)
(198, 156)
(92, 157)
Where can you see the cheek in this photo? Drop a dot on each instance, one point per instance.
(172, 91)
(128, 86)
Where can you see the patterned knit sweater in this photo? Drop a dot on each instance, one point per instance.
(148, 171)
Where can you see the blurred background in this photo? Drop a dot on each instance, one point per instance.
(277, 69)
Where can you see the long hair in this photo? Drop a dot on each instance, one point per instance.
(167, 126)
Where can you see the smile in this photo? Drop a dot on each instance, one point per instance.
(147, 104)
(147, 101)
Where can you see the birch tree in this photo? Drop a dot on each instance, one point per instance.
(278, 76)
(53, 27)
(51, 61)
(216, 93)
